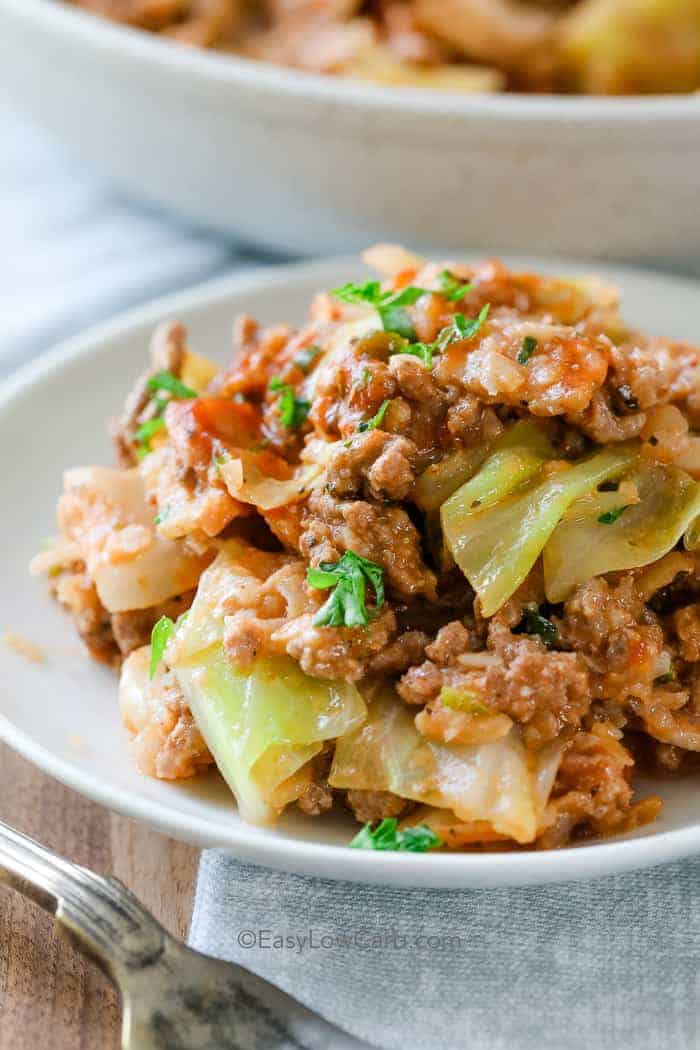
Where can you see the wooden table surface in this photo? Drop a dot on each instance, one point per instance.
(50, 999)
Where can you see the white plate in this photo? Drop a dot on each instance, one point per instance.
(315, 164)
(63, 714)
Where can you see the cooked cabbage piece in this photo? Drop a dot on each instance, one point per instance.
(491, 783)
(516, 458)
(496, 531)
(264, 723)
(439, 481)
(265, 480)
(630, 47)
(600, 534)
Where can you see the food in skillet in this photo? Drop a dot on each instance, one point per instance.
(433, 556)
(609, 47)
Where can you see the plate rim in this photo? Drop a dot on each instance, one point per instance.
(207, 67)
(299, 855)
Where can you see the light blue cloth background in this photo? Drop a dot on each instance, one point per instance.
(612, 963)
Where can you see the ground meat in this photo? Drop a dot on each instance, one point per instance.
(618, 637)
(450, 641)
(400, 654)
(246, 636)
(335, 652)
(671, 715)
(76, 591)
(592, 793)
(418, 385)
(256, 608)
(317, 796)
(658, 371)
(133, 629)
(352, 384)
(358, 379)
(315, 800)
(464, 416)
(166, 741)
(560, 377)
(598, 422)
(369, 806)
(545, 691)
(383, 534)
(420, 684)
(686, 624)
(379, 464)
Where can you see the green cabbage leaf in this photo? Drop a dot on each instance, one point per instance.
(262, 723)
(583, 546)
(496, 529)
(497, 783)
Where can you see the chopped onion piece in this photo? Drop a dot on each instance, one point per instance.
(100, 504)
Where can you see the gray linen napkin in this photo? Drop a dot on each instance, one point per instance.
(608, 964)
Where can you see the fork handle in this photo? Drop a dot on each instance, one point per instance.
(99, 912)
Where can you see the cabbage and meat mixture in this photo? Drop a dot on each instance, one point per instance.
(432, 556)
(604, 47)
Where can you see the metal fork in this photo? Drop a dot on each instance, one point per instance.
(173, 997)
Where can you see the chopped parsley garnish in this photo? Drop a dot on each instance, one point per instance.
(160, 636)
(389, 305)
(168, 381)
(306, 357)
(461, 328)
(386, 836)
(348, 577)
(452, 288)
(527, 349)
(534, 623)
(172, 385)
(467, 327)
(145, 432)
(293, 409)
(611, 516)
(424, 351)
(376, 420)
